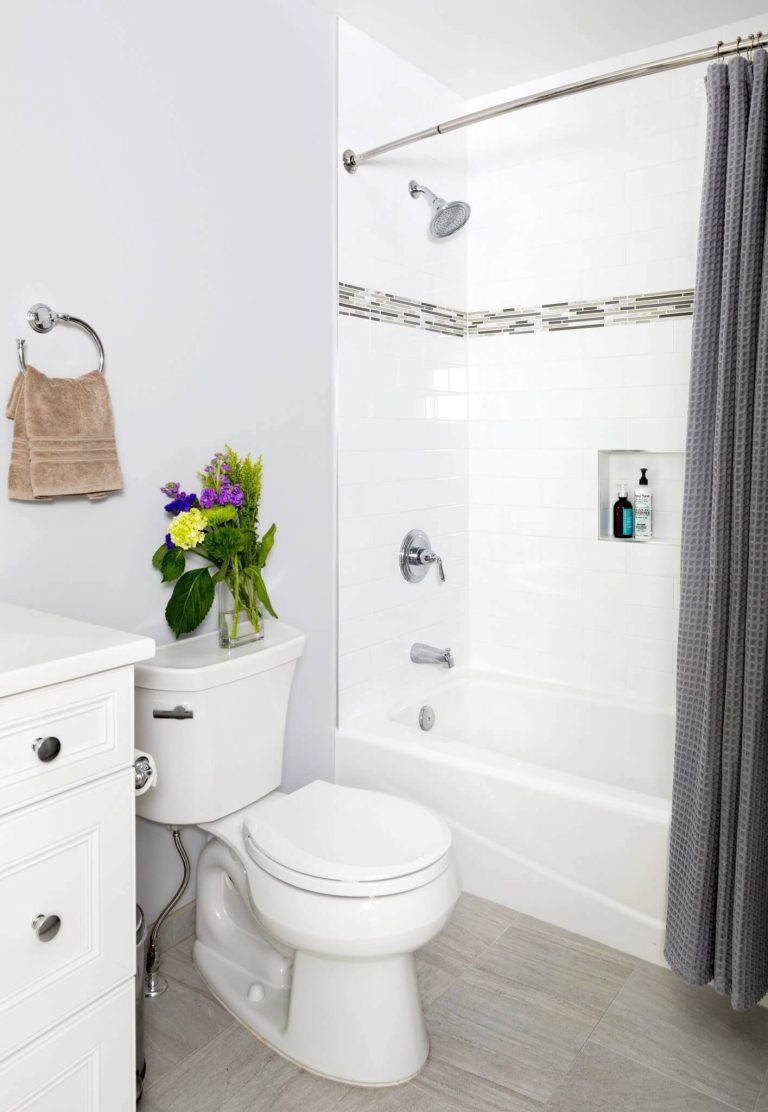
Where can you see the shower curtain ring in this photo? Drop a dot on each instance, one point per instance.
(751, 46)
(719, 47)
(739, 41)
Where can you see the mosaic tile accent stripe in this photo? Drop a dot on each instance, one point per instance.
(388, 308)
(355, 301)
(568, 315)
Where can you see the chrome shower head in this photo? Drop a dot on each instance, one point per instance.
(447, 216)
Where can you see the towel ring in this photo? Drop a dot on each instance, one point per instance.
(41, 318)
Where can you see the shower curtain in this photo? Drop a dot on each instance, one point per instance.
(717, 925)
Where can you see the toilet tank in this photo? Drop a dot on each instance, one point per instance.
(213, 719)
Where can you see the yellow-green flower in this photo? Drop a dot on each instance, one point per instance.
(187, 529)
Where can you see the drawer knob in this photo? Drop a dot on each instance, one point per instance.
(47, 748)
(46, 927)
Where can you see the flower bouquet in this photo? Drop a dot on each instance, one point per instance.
(220, 525)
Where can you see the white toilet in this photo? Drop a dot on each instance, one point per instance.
(310, 906)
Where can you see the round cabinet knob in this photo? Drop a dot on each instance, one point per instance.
(47, 748)
(46, 927)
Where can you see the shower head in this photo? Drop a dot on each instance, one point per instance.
(447, 216)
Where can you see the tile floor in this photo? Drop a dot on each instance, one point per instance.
(521, 1016)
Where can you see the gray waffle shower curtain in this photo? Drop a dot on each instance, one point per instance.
(717, 925)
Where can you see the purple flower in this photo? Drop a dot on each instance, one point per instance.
(170, 490)
(230, 495)
(168, 542)
(207, 498)
(181, 503)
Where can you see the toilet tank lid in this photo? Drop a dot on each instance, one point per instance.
(341, 833)
(198, 663)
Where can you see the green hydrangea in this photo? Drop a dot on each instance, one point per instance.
(188, 529)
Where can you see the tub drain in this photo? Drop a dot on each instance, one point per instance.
(426, 718)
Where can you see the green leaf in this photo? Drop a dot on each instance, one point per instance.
(157, 559)
(191, 600)
(173, 564)
(265, 547)
(221, 573)
(261, 590)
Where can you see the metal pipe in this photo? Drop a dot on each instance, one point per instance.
(352, 160)
(155, 983)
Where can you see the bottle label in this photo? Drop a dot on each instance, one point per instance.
(643, 515)
(627, 522)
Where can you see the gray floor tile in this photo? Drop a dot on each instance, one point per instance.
(213, 1075)
(537, 962)
(401, 1098)
(433, 982)
(282, 1087)
(475, 925)
(762, 1100)
(510, 1004)
(481, 1037)
(601, 1081)
(183, 1019)
(690, 1034)
(458, 1090)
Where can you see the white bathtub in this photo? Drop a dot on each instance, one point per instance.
(558, 799)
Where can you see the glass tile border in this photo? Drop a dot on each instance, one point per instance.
(387, 308)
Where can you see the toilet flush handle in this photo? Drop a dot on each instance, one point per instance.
(177, 712)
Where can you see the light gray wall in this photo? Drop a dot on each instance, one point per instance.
(169, 176)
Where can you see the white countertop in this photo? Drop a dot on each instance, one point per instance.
(37, 649)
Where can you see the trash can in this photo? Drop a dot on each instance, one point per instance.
(141, 960)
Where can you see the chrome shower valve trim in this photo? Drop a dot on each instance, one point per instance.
(416, 557)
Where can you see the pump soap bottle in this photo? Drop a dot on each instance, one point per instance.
(643, 508)
(623, 516)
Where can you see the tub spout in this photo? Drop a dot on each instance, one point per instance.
(428, 654)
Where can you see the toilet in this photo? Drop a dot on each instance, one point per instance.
(310, 905)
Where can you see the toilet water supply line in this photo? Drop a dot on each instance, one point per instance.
(156, 983)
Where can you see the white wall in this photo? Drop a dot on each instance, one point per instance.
(587, 197)
(583, 198)
(402, 391)
(170, 177)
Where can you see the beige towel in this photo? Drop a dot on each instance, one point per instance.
(63, 437)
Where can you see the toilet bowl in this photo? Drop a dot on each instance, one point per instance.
(312, 949)
(310, 905)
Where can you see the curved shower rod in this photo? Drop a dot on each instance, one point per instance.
(352, 160)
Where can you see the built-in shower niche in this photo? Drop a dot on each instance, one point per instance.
(665, 476)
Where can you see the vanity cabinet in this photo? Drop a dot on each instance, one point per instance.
(67, 892)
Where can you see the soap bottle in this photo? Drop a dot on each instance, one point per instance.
(643, 507)
(623, 516)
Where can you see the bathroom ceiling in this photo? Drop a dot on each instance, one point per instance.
(479, 46)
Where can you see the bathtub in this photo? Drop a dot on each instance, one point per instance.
(559, 800)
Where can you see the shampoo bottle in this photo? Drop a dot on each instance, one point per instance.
(623, 517)
(643, 507)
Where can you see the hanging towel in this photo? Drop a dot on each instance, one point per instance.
(63, 437)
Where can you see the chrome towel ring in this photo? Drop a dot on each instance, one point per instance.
(41, 318)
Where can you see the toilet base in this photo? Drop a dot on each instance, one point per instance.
(333, 1044)
(355, 1020)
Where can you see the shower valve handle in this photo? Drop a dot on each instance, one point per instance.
(417, 556)
(433, 558)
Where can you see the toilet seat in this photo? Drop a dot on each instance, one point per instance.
(346, 841)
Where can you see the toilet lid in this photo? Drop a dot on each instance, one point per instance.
(338, 833)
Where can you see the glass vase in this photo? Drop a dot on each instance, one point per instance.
(242, 623)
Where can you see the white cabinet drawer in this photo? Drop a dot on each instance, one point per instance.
(88, 723)
(85, 1065)
(70, 857)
